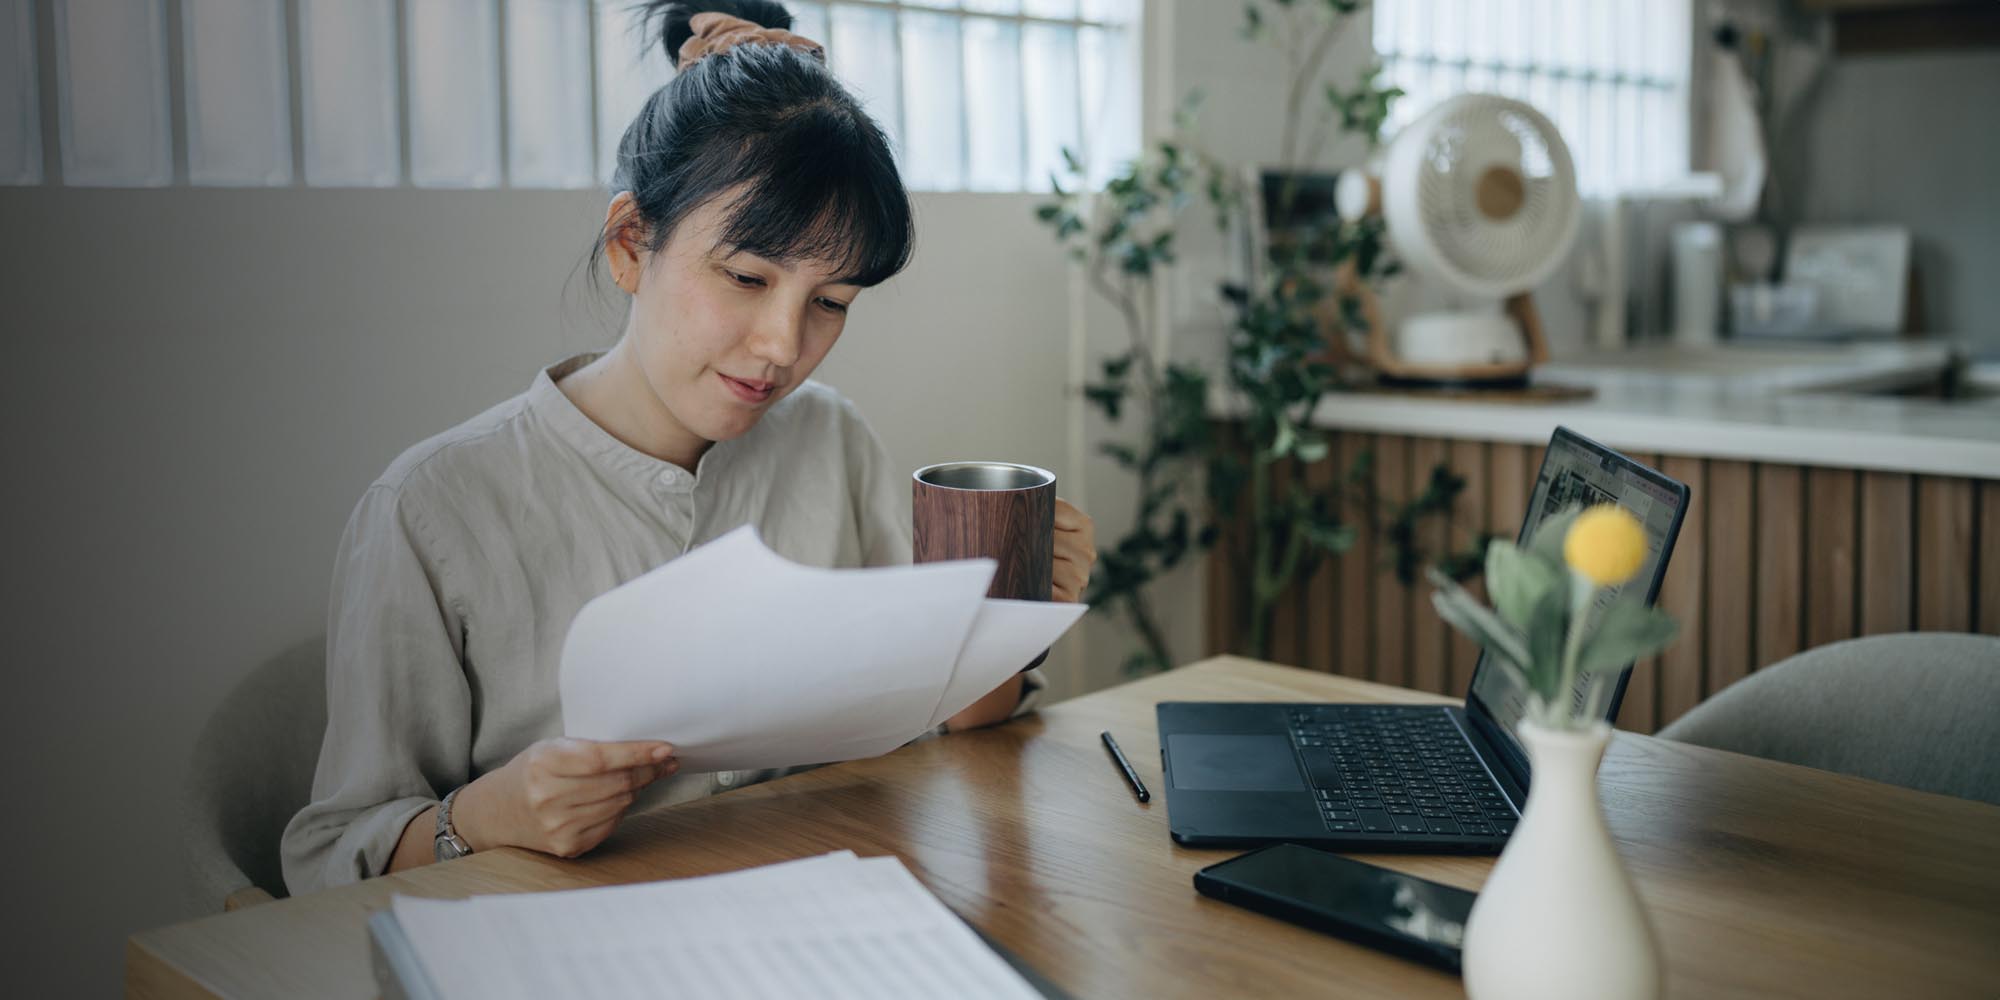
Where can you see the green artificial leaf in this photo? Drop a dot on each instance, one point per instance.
(1548, 628)
(1517, 580)
(1312, 448)
(1547, 541)
(1466, 614)
(1626, 630)
(1048, 212)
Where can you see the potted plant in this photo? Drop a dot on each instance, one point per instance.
(1558, 916)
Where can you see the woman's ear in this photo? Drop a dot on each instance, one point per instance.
(624, 241)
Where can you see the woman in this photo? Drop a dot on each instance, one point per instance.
(756, 201)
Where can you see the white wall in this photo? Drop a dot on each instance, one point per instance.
(1909, 139)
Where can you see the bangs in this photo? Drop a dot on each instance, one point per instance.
(820, 188)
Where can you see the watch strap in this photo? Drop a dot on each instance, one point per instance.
(448, 844)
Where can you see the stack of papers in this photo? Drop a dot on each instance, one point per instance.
(744, 660)
(831, 926)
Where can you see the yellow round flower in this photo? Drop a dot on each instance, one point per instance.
(1605, 544)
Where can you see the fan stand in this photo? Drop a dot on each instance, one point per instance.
(1510, 374)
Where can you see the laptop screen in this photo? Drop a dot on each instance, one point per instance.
(1579, 473)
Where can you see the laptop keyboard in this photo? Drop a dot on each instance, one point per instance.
(1394, 770)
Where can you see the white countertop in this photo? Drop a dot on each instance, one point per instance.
(1803, 406)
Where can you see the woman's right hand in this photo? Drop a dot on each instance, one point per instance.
(560, 796)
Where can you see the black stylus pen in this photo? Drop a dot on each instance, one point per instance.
(1138, 787)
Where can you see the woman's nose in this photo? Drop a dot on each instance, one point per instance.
(777, 338)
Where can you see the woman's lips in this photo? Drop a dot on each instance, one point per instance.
(748, 391)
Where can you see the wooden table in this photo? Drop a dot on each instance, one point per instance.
(1762, 879)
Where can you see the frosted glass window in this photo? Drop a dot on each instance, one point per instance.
(863, 52)
(1111, 11)
(548, 93)
(809, 19)
(20, 97)
(631, 65)
(994, 6)
(993, 105)
(347, 65)
(1110, 102)
(239, 104)
(454, 54)
(111, 70)
(1591, 65)
(933, 95)
(1065, 9)
(1050, 74)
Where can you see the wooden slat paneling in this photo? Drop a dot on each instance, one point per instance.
(1468, 459)
(1284, 634)
(1509, 478)
(1430, 637)
(1680, 665)
(1886, 546)
(1780, 593)
(1772, 559)
(1322, 589)
(1831, 517)
(1392, 599)
(1357, 574)
(1731, 574)
(1987, 580)
(1944, 554)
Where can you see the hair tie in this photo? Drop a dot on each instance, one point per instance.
(716, 32)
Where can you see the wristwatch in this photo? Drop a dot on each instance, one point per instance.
(448, 843)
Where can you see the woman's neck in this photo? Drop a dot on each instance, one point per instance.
(614, 393)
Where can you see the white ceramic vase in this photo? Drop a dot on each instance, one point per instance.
(1558, 918)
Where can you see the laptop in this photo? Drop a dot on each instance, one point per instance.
(1401, 778)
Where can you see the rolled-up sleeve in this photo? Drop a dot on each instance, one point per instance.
(398, 729)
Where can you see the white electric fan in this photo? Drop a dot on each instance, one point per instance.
(1479, 199)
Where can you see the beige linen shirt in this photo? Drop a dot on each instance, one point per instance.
(463, 565)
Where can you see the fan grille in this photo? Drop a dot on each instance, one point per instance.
(1495, 198)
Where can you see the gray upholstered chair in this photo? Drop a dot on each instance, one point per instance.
(1917, 709)
(252, 770)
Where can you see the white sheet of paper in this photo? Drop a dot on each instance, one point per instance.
(745, 660)
(830, 926)
(1005, 637)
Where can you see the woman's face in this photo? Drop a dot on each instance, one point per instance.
(721, 336)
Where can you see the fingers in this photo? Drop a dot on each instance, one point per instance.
(577, 758)
(1069, 518)
(573, 844)
(1068, 580)
(597, 787)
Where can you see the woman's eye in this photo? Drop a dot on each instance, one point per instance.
(833, 305)
(746, 280)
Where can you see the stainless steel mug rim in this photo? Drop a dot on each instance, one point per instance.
(929, 473)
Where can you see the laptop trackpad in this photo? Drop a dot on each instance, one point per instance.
(1218, 763)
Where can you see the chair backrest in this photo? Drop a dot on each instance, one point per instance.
(1917, 709)
(253, 770)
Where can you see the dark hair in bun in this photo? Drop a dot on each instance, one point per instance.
(813, 174)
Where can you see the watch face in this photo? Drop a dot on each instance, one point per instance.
(447, 850)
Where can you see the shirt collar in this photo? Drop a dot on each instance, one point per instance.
(576, 429)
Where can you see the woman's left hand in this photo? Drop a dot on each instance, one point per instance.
(1076, 552)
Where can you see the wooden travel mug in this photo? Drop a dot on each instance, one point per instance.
(992, 510)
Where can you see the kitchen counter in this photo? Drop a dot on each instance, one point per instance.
(1820, 406)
